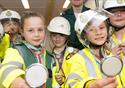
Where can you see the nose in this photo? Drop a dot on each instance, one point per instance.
(57, 37)
(36, 33)
(97, 31)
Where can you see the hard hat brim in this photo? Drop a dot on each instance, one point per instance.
(110, 8)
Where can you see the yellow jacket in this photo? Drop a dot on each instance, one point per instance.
(83, 67)
(5, 43)
(13, 66)
(66, 56)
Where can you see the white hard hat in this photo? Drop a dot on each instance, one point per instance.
(10, 14)
(1, 30)
(59, 25)
(114, 3)
(89, 16)
(84, 18)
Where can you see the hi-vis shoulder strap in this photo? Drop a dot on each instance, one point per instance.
(28, 57)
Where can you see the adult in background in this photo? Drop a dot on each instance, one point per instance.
(77, 6)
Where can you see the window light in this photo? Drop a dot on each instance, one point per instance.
(25, 4)
(66, 4)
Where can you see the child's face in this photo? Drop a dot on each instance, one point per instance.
(58, 40)
(34, 30)
(11, 27)
(118, 19)
(97, 35)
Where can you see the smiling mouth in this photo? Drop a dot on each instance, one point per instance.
(100, 38)
(119, 20)
(37, 40)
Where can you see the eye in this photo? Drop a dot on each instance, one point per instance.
(53, 35)
(91, 30)
(30, 30)
(40, 29)
(102, 27)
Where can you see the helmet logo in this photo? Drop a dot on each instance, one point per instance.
(8, 13)
(82, 19)
(120, 1)
(62, 26)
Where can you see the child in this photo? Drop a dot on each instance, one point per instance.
(27, 53)
(85, 66)
(117, 23)
(59, 29)
(10, 20)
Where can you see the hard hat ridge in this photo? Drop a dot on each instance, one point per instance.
(9, 14)
(109, 4)
(59, 25)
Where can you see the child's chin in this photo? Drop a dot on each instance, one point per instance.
(37, 45)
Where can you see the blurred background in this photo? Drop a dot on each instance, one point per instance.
(49, 8)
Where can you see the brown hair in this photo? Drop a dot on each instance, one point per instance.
(28, 14)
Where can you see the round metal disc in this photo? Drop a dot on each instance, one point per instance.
(36, 75)
(111, 66)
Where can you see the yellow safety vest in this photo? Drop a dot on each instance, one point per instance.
(12, 67)
(5, 43)
(64, 68)
(9, 71)
(83, 67)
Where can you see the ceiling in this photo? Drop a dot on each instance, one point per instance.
(48, 8)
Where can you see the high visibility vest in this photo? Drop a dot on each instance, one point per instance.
(55, 67)
(14, 59)
(4, 44)
(83, 67)
(29, 59)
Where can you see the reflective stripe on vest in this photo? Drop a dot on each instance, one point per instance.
(57, 86)
(73, 76)
(9, 69)
(18, 64)
(91, 57)
(7, 72)
(89, 64)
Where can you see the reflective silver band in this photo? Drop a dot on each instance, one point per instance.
(7, 72)
(73, 76)
(89, 64)
(72, 84)
(57, 86)
(18, 64)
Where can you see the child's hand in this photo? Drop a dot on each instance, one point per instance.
(116, 50)
(122, 47)
(19, 83)
(104, 83)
